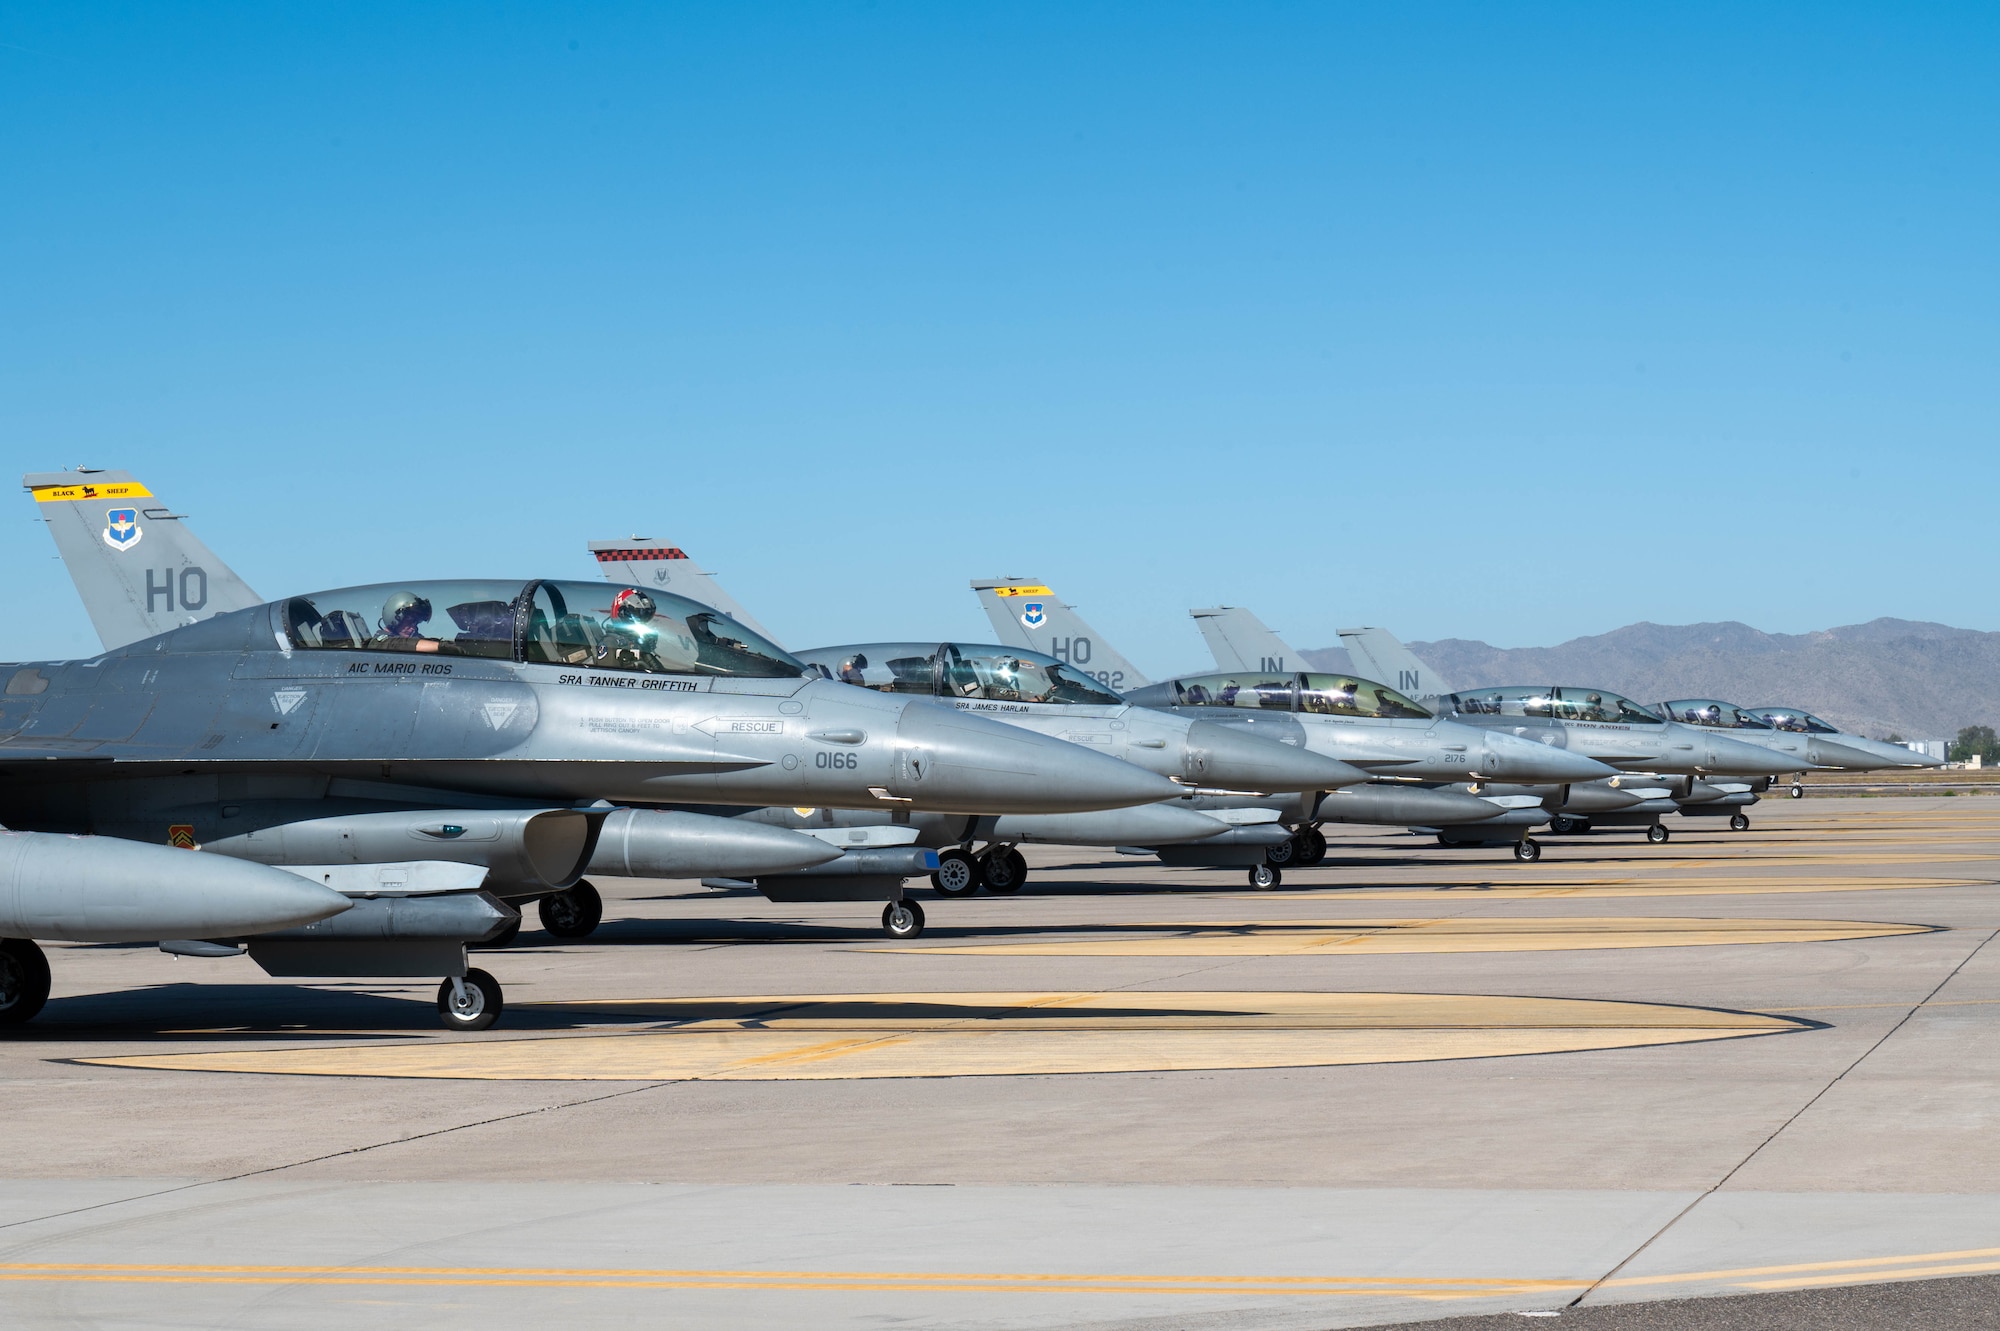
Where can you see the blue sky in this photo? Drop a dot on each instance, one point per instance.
(1504, 322)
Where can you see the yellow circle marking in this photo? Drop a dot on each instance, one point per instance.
(1551, 934)
(845, 1036)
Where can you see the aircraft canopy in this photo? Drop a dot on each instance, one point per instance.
(590, 625)
(960, 670)
(1714, 715)
(1555, 703)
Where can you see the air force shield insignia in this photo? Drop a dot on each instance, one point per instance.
(1032, 616)
(121, 528)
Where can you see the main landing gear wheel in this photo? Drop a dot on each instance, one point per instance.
(1264, 877)
(1798, 792)
(1739, 822)
(1657, 834)
(1564, 825)
(574, 912)
(1281, 855)
(24, 981)
(956, 875)
(903, 919)
(1003, 871)
(471, 1004)
(1528, 850)
(1311, 847)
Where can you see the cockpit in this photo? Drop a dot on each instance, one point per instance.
(1714, 715)
(959, 670)
(1794, 719)
(590, 625)
(1554, 703)
(1327, 695)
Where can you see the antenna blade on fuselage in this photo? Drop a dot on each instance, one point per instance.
(135, 563)
(1027, 614)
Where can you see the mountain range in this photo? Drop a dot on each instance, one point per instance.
(1888, 676)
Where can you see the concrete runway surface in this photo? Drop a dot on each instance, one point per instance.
(1415, 1083)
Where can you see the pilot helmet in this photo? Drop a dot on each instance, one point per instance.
(632, 603)
(405, 609)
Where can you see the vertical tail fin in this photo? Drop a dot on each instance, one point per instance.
(1027, 614)
(649, 563)
(135, 563)
(1378, 655)
(1239, 641)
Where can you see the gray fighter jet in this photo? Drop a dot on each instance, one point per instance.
(1791, 731)
(1038, 693)
(442, 751)
(1724, 787)
(1234, 634)
(1357, 720)
(1799, 721)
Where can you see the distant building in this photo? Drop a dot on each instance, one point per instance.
(1930, 748)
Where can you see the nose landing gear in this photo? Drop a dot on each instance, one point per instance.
(903, 919)
(470, 1004)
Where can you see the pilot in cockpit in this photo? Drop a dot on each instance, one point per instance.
(851, 668)
(401, 627)
(630, 630)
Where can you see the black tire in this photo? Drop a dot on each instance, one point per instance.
(957, 875)
(1527, 850)
(1284, 854)
(574, 912)
(1265, 877)
(1312, 848)
(1798, 792)
(903, 919)
(505, 938)
(482, 1006)
(1739, 822)
(24, 981)
(1658, 835)
(1564, 825)
(1002, 871)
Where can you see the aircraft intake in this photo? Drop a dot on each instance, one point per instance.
(1145, 825)
(104, 890)
(1404, 806)
(650, 843)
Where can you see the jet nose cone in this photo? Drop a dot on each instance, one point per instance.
(1533, 763)
(1851, 753)
(1225, 757)
(952, 762)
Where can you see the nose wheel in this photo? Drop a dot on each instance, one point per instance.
(470, 1004)
(1527, 850)
(1798, 791)
(24, 981)
(1657, 834)
(1265, 877)
(903, 919)
(574, 912)
(1739, 822)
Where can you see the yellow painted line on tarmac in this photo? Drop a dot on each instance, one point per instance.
(980, 1282)
(865, 1036)
(1853, 1271)
(1638, 886)
(1456, 934)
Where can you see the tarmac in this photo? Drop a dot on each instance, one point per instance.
(1628, 1085)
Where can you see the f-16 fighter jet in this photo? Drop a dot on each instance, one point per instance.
(440, 751)
(1037, 693)
(1723, 788)
(1359, 721)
